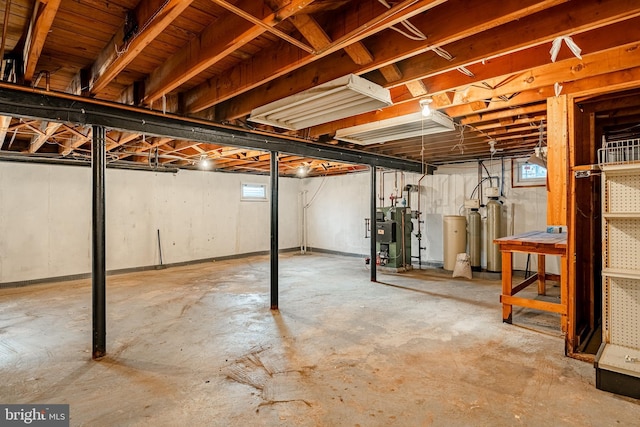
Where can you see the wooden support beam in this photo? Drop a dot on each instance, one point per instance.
(270, 28)
(268, 65)
(154, 16)
(155, 142)
(75, 142)
(607, 61)
(81, 136)
(499, 73)
(216, 42)
(391, 73)
(48, 129)
(359, 53)
(386, 52)
(44, 12)
(478, 105)
(536, 84)
(318, 38)
(525, 111)
(311, 30)
(3, 43)
(180, 145)
(146, 147)
(417, 88)
(443, 99)
(123, 138)
(515, 122)
(5, 121)
(605, 83)
(524, 33)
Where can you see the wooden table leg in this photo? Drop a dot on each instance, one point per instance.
(542, 285)
(507, 273)
(564, 289)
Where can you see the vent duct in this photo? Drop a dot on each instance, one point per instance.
(343, 97)
(395, 128)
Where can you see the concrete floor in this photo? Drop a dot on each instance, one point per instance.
(198, 345)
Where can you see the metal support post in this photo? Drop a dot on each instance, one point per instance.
(99, 272)
(274, 230)
(373, 225)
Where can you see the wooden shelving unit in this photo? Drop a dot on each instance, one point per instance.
(618, 360)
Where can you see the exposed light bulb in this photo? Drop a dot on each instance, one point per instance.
(205, 164)
(426, 108)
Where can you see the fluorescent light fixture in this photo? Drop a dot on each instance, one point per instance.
(343, 97)
(401, 127)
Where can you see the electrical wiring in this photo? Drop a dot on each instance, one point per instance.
(443, 53)
(416, 34)
(460, 144)
(144, 27)
(317, 191)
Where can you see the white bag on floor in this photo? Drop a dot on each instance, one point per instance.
(463, 266)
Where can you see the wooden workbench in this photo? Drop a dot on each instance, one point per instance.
(540, 243)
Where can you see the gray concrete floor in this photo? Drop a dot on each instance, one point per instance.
(198, 345)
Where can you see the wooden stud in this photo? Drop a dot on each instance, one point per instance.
(557, 161)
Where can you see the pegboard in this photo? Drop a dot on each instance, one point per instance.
(625, 312)
(606, 312)
(622, 193)
(621, 254)
(623, 244)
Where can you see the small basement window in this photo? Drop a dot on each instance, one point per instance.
(253, 192)
(525, 174)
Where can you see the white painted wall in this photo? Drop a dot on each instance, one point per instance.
(45, 218)
(45, 215)
(337, 207)
(336, 215)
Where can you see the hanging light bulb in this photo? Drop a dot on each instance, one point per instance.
(426, 109)
(204, 163)
(303, 171)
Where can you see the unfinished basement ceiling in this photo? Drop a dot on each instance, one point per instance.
(486, 64)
